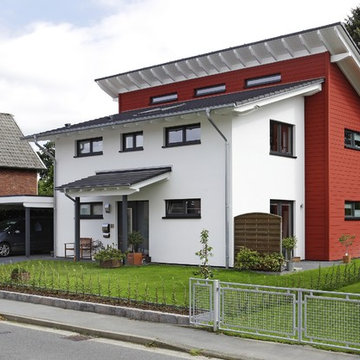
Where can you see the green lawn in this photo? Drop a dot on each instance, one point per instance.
(167, 284)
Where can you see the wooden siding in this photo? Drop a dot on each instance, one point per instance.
(257, 231)
(308, 67)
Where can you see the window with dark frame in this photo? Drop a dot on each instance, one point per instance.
(89, 147)
(284, 208)
(132, 141)
(209, 90)
(182, 135)
(352, 210)
(352, 139)
(163, 98)
(91, 210)
(183, 208)
(263, 80)
(281, 138)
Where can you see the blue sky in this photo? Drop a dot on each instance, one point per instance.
(52, 50)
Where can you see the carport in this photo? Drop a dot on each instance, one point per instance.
(28, 204)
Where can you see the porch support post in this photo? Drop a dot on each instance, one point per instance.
(77, 229)
(124, 223)
(27, 232)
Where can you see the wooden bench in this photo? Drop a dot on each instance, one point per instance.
(85, 248)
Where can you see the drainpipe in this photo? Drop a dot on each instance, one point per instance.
(55, 208)
(227, 222)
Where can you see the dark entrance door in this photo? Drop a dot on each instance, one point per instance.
(138, 220)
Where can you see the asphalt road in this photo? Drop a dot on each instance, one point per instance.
(19, 342)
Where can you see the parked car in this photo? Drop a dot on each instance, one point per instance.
(12, 235)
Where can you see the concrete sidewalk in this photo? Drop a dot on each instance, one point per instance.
(176, 337)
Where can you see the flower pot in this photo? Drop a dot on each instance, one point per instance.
(347, 259)
(134, 258)
(112, 263)
(289, 265)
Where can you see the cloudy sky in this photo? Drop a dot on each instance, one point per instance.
(52, 50)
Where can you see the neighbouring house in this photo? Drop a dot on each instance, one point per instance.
(19, 203)
(267, 127)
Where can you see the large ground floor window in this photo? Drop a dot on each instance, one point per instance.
(284, 208)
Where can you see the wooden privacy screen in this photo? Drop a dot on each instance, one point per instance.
(257, 231)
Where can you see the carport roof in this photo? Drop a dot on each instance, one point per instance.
(30, 201)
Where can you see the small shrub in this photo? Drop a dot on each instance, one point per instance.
(247, 259)
(109, 253)
(206, 251)
(289, 244)
(135, 240)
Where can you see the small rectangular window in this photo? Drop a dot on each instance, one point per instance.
(132, 141)
(216, 89)
(263, 80)
(91, 210)
(183, 208)
(89, 147)
(352, 139)
(352, 210)
(163, 98)
(182, 135)
(281, 138)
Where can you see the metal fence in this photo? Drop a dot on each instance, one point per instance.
(302, 315)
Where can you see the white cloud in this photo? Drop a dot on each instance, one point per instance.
(46, 74)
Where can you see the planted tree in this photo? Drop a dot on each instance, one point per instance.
(204, 253)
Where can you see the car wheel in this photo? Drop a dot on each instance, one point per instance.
(4, 249)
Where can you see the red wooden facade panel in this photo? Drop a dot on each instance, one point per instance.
(344, 170)
(291, 70)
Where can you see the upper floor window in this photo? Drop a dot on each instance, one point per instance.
(352, 210)
(132, 141)
(183, 208)
(163, 98)
(92, 210)
(215, 89)
(263, 80)
(89, 147)
(182, 135)
(281, 138)
(352, 139)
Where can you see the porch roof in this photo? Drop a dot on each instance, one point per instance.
(119, 182)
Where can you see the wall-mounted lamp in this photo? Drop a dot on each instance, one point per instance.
(107, 208)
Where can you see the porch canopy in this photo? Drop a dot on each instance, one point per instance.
(26, 202)
(112, 183)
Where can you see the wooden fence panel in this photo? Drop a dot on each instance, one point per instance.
(257, 231)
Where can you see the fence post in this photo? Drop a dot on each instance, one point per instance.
(216, 296)
(300, 320)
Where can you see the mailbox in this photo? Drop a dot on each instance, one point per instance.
(105, 230)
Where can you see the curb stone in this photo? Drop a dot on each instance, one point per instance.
(128, 312)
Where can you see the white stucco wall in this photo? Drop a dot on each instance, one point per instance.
(258, 176)
(197, 172)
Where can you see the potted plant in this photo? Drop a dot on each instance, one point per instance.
(347, 241)
(110, 257)
(288, 245)
(135, 240)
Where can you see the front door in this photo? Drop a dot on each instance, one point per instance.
(138, 220)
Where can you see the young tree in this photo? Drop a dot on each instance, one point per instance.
(352, 24)
(46, 181)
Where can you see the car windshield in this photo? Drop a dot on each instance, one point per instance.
(6, 225)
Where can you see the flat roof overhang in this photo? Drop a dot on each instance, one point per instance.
(28, 201)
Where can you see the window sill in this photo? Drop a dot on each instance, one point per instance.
(182, 144)
(283, 155)
(131, 150)
(87, 155)
(351, 148)
(352, 219)
(92, 217)
(182, 217)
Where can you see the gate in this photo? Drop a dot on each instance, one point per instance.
(299, 315)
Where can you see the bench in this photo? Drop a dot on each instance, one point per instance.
(85, 248)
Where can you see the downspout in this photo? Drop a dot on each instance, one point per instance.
(227, 222)
(54, 185)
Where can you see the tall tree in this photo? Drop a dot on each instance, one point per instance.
(352, 24)
(46, 181)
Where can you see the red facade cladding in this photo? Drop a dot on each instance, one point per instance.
(344, 164)
(18, 182)
(291, 70)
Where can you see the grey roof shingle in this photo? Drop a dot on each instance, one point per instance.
(15, 153)
(177, 108)
(116, 178)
